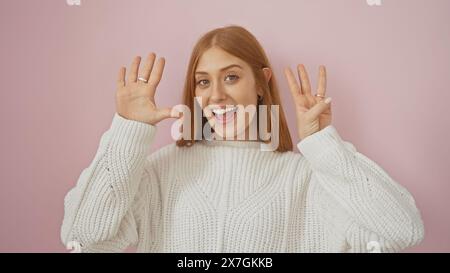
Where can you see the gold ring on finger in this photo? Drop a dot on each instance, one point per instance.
(143, 80)
(320, 96)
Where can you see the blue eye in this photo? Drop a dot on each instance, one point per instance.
(202, 82)
(232, 77)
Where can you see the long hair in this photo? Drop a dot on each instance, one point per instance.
(240, 43)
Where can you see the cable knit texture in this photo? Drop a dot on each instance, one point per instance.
(230, 196)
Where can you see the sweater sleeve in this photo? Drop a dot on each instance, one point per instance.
(378, 208)
(102, 210)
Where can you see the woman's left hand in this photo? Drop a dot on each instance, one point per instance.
(313, 112)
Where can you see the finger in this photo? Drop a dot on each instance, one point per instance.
(134, 69)
(121, 77)
(321, 89)
(175, 113)
(292, 82)
(148, 66)
(319, 108)
(304, 79)
(156, 74)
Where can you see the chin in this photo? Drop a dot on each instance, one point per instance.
(229, 130)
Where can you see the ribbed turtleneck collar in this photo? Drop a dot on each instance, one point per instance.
(232, 143)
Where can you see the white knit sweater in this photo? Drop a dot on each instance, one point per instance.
(230, 196)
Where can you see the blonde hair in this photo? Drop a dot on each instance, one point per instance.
(240, 43)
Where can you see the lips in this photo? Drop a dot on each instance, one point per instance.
(224, 115)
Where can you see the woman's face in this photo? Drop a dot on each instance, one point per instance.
(226, 85)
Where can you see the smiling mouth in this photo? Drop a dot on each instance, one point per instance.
(224, 115)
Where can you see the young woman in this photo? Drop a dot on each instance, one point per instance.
(229, 195)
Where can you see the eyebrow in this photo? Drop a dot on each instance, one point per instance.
(222, 69)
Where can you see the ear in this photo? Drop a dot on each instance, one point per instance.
(267, 73)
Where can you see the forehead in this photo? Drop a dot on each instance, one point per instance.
(213, 59)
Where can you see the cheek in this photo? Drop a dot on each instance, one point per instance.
(203, 94)
(243, 93)
(197, 92)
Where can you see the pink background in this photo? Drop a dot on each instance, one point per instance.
(388, 74)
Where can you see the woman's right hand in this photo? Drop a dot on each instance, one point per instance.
(135, 99)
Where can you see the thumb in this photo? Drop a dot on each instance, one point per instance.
(319, 108)
(166, 112)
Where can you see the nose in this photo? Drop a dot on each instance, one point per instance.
(217, 94)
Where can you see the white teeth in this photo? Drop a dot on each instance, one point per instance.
(221, 111)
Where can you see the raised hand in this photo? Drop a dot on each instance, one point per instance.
(135, 97)
(313, 112)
